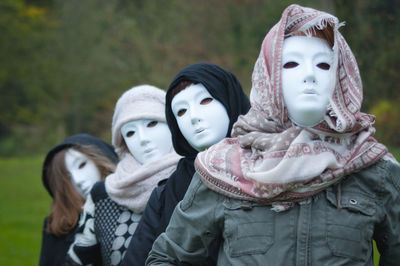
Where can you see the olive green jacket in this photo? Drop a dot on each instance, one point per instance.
(334, 227)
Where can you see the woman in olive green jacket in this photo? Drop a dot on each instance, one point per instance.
(302, 181)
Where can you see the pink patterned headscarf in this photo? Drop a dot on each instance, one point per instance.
(270, 159)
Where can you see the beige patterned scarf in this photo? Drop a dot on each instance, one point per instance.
(272, 161)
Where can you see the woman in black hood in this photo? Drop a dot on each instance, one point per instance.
(68, 195)
(225, 88)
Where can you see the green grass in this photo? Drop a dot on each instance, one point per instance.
(23, 205)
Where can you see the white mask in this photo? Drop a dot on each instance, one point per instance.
(308, 79)
(147, 140)
(84, 172)
(202, 119)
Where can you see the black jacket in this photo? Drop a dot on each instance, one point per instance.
(54, 249)
(224, 87)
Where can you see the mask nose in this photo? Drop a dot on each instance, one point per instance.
(309, 79)
(143, 137)
(309, 75)
(195, 120)
(194, 115)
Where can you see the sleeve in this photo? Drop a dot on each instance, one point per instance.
(195, 223)
(387, 235)
(85, 249)
(146, 232)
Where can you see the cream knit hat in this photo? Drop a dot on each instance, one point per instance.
(140, 102)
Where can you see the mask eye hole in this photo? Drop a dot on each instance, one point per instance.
(181, 112)
(130, 134)
(82, 165)
(206, 101)
(290, 64)
(152, 124)
(324, 66)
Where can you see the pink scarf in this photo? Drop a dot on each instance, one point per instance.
(132, 183)
(272, 161)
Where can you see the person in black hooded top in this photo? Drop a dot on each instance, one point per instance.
(69, 170)
(220, 85)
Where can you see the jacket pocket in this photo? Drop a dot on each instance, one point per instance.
(350, 224)
(249, 228)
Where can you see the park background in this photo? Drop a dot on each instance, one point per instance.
(65, 63)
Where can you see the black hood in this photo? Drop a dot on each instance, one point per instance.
(77, 140)
(221, 84)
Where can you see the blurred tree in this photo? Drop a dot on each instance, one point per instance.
(24, 85)
(65, 63)
(387, 121)
(372, 31)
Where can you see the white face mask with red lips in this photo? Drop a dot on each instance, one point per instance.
(308, 79)
(84, 172)
(201, 118)
(147, 140)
